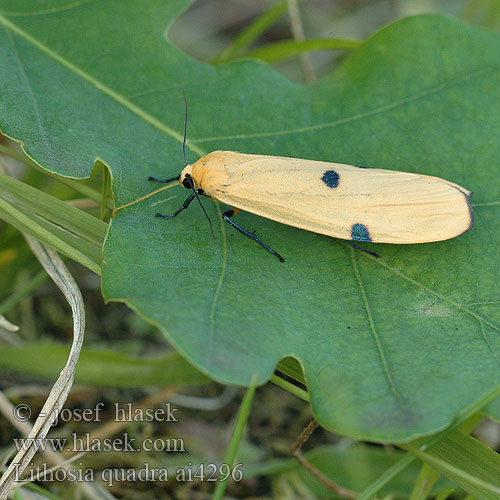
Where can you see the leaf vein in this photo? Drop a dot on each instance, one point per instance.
(486, 204)
(32, 94)
(442, 297)
(54, 10)
(222, 273)
(486, 303)
(359, 116)
(374, 331)
(102, 87)
(490, 347)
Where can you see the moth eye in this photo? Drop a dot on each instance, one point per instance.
(188, 182)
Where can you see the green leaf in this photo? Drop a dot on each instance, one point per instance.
(391, 348)
(288, 48)
(100, 367)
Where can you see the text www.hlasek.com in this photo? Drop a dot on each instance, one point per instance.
(85, 443)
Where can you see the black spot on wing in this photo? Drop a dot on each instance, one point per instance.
(331, 178)
(359, 232)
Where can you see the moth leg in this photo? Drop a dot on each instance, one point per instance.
(186, 204)
(231, 213)
(353, 245)
(154, 179)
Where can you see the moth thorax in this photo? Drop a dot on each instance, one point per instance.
(197, 171)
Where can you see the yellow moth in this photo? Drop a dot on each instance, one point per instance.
(343, 201)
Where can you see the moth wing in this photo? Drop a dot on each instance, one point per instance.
(343, 201)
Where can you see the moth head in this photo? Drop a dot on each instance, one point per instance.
(186, 178)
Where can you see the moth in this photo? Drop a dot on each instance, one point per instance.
(354, 204)
(347, 202)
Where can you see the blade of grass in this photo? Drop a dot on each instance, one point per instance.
(102, 368)
(246, 37)
(445, 494)
(426, 479)
(42, 492)
(58, 394)
(299, 35)
(92, 251)
(288, 386)
(239, 427)
(29, 225)
(285, 49)
(466, 461)
(52, 209)
(67, 224)
(292, 368)
(20, 295)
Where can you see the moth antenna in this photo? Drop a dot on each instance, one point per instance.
(185, 128)
(186, 162)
